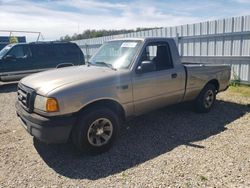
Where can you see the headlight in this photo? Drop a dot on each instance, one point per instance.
(46, 104)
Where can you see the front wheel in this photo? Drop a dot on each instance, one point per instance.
(205, 101)
(96, 130)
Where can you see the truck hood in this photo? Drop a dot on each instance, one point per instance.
(44, 82)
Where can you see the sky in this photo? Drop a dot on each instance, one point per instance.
(56, 18)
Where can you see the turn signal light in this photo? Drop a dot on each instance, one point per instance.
(52, 105)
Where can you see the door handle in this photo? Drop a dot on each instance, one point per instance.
(122, 87)
(174, 75)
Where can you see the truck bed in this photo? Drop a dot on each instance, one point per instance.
(198, 74)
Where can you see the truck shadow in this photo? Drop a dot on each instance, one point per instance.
(142, 139)
(8, 87)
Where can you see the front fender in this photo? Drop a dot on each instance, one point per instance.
(72, 100)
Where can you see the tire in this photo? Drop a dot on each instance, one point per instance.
(96, 130)
(205, 101)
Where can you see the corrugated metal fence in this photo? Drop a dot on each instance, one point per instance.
(224, 41)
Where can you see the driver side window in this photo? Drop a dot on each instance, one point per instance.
(149, 53)
(18, 52)
(157, 54)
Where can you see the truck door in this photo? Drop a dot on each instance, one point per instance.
(161, 82)
(16, 63)
(43, 56)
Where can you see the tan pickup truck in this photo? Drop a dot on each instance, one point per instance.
(125, 78)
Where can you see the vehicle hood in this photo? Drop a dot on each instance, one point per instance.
(46, 81)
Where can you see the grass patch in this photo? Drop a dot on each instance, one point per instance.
(188, 184)
(124, 175)
(244, 90)
(203, 178)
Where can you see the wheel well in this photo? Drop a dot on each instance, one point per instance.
(113, 105)
(215, 83)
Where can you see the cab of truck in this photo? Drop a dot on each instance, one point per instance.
(22, 59)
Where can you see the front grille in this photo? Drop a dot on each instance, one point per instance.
(26, 97)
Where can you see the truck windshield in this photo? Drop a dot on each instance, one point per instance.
(118, 54)
(5, 50)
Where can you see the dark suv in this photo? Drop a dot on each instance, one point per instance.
(20, 60)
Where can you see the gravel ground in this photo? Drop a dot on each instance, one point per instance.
(172, 147)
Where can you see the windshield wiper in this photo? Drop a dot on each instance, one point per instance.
(105, 64)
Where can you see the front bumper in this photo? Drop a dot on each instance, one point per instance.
(46, 129)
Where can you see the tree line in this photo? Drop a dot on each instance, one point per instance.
(92, 33)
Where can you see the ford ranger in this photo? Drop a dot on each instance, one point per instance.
(125, 78)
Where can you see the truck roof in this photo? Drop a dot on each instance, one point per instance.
(47, 42)
(142, 38)
(50, 42)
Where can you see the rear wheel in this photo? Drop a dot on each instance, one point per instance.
(96, 130)
(205, 101)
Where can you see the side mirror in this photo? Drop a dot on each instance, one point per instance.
(9, 57)
(146, 66)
